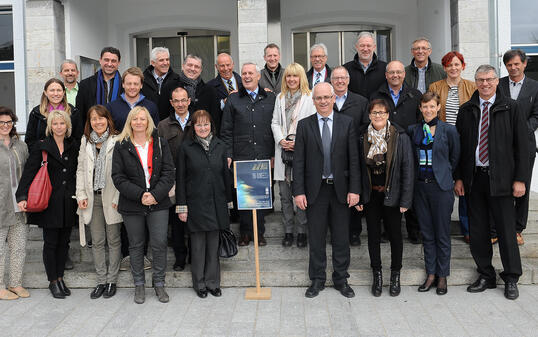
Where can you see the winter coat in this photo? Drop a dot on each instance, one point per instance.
(406, 112)
(171, 131)
(150, 88)
(366, 84)
(119, 109)
(434, 72)
(87, 95)
(8, 213)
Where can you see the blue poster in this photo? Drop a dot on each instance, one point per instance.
(253, 182)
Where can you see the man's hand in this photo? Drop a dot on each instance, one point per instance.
(359, 207)
(300, 201)
(268, 90)
(518, 189)
(458, 188)
(352, 199)
(403, 209)
(83, 204)
(272, 162)
(229, 162)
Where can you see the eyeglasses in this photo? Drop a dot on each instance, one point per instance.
(378, 113)
(318, 56)
(483, 80)
(6, 123)
(183, 100)
(322, 98)
(395, 72)
(340, 78)
(420, 48)
(205, 125)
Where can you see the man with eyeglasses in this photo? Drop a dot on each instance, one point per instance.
(493, 169)
(422, 71)
(320, 71)
(173, 129)
(326, 183)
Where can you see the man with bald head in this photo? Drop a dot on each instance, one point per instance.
(227, 81)
(326, 182)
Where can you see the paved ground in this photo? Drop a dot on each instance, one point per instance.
(288, 313)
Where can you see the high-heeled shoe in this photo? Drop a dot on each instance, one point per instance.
(426, 286)
(63, 287)
(441, 286)
(55, 290)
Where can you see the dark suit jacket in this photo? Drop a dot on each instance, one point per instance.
(356, 107)
(310, 73)
(527, 105)
(220, 88)
(308, 158)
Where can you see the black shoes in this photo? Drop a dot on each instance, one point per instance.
(110, 290)
(428, 284)
(288, 240)
(441, 286)
(314, 289)
(377, 285)
(301, 240)
(55, 290)
(510, 290)
(394, 289)
(244, 240)
(345, 290)
(480, 285)
(179, 266)
(98, 291)
(63, 287)
(355, 240)
(414, 238)
(216, 292)
(201, 293)
(68, 263)
(261, 240)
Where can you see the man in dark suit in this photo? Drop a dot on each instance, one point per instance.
(493, 169)
(326, 180)
(227, 81)
(524, 90)
(320, 71)
(355, 106)
(157, 75)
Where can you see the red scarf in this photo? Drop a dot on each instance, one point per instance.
(150, 157)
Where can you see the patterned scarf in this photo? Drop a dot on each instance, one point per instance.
(291, 112)
(190, 85)
(378, 141)
(204, 141)
(99, 177)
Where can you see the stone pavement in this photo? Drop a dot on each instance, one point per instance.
(288, 313)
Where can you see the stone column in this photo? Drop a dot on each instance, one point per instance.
(252, 29)
(45, 45)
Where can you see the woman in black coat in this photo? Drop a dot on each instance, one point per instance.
(143, 173)
(203, 191)
(59, 217)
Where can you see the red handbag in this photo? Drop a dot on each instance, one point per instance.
(40, 189)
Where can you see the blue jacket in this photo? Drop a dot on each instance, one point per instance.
(119, 109)
(446, 152)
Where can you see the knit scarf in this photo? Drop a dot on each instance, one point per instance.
(100, 94)
(378, 141)
(99, 177)
(190, 85)
(290, 104)
(204, 141)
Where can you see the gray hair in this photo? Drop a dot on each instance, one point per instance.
(191, 56)
(422, 38)
(339, 68)
(322, 83)
(250, 63)
(486, 68)
(366, 34)
(69, 61)
(158, 50)
(321, 46)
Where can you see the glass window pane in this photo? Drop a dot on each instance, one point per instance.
(7, 90)
(350, 38)
(142, 53)
(331, 41)
(174, 46)
(383, 45)
(300, 49)
(532, 67)
(223, 44)
(523, 21)
(6, 36)
(202, 46)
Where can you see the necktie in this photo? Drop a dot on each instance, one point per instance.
(230, 85)
(326, 142)
(159, 83)
(253, 95)
(318, 78)
(514, 83)
(483, 145)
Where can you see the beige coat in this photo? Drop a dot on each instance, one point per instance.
(305, 107)
(85, 183)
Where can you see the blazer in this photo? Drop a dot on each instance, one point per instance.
(266, 81)
(222, 90)
(19, 152)
(356, 107)
(305, 107)
(150, 89)
(308, 158)
(310, 73)
(445, 152)
(466, 89)
(87, 95)
(527, 105)
(434, 72)
(84, 186)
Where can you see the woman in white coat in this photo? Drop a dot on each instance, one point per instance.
(292, 104)
(98, 198)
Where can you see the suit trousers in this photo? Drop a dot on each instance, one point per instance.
(481, 205)
(55, 247)
(324, 212)
(522, 204)
(355, 225)
(463, 206)
(245, 221)
(178, 237)
(291, 216)
(205, 264)
(433, 207)
(157, 225)
(375, 210)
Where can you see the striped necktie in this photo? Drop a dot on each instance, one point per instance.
(318, 78)
(230, 85)
(484, 125)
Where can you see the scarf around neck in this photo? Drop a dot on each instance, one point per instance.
(425, 137)
(101, 96)
(190, 85)
(290, 108)
(99, 177)
(378, 141)
(204, 141)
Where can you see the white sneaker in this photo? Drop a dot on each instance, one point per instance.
(125, 263)
(147, 263)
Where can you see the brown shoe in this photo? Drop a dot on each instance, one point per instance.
(494, 240)
(520, 240)
(467, 239)
(244, 240)
(261, 241)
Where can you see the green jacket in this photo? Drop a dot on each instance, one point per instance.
(434, 73)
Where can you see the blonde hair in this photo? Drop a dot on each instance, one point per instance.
(55, 114)
(298, 70)
(127, 132)
(44, 103)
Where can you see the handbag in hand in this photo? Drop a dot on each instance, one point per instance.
(287, 156)
(40, 189)
(227, 243)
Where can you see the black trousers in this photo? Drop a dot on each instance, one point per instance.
(392, 219)
(327, 212)
(522, 204)
(481, 205)
(355, 225)
(411, 222)
(245, 221)
(178, 237)
(55, 248)
(205, 264)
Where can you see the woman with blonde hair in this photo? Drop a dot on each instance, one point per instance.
(143, 173)
(292, 104)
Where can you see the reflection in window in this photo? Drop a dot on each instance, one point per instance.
(300, 49)
(6, 35)
(142, 53)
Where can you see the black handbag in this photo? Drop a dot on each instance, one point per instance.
(287, 156)
(227, 243)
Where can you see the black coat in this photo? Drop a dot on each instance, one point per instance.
(246, 125)
(204, 185)
(507, 144)
(171, 131)
(365, 84)
(356, 107)
(407, 111)
(150, 88)
(37, 124)
(527, 105)
(87, 95)
(308, 158)
(129, 179)
(220, 89)
(62, 172)
(310, 73)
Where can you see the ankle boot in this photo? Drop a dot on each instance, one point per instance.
(55, 290)
(63, 287)
(377, 285)
(394, 289)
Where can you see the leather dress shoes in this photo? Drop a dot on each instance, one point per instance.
(426, 287)
(98, 291)
(345, 290)
(178, 267)
(216, 292)
(355, 240)
(314, 289)
(261, 241)
(110, 290)
(244, 240)
(202, 293)
(288, 240)
(377, 285)
(55, 290)
(510, 290)
(301, 240)
(441, 286)
(394, 288)
(63, 287)
(480, 285)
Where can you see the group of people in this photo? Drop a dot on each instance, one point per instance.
(136, 153)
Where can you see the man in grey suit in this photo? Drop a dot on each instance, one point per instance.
(326, 180)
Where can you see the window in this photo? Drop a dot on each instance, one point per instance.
(7, 62)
